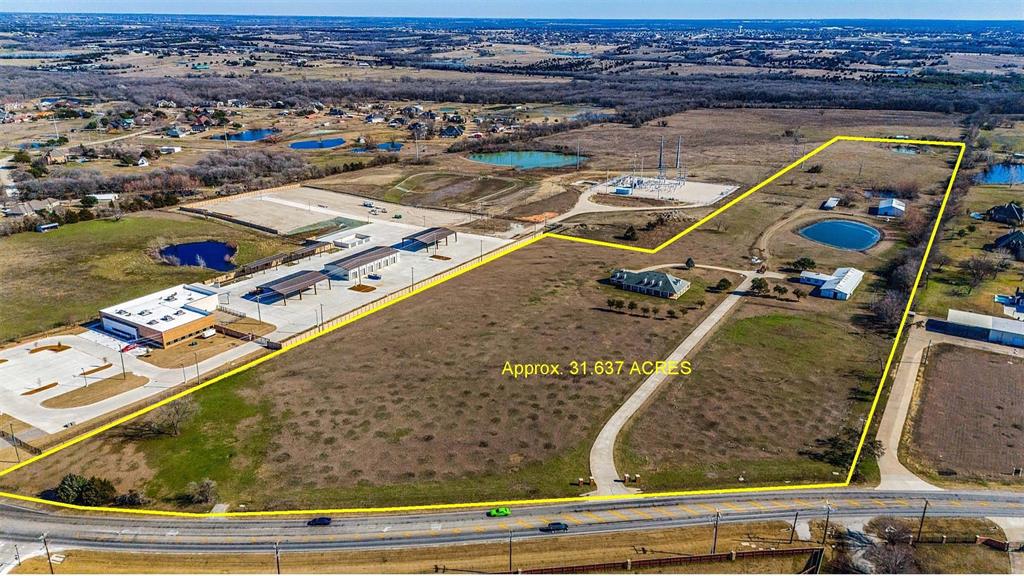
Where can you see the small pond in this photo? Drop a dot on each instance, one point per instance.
(317, 144)
(526, 159)
(208, 254)
(1002, 174)
(251, 135)
(842, 234)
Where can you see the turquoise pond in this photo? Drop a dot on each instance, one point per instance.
(842, 234)
(317, 144)
(1002, 174)
(252, 135)
(527, 159)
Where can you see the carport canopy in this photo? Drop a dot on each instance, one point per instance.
(293, 283)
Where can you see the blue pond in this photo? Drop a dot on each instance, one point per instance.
(842, 234)
(385, 147)
(317, 144)
(208, 254)
(1002, 174)
(526, 159)
(252, 135)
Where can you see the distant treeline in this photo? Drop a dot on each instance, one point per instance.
(636, 98)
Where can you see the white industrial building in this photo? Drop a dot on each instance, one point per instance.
(352, 240)
(892, 207)
(984, 327)
(838, 285)
(163, 318)
(362, 263)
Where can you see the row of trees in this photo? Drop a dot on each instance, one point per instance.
(96, 491)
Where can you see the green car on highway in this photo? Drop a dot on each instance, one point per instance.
(499, 512)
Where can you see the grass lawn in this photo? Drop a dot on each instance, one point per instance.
(90, 265)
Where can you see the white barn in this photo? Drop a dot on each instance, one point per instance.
(892, 207)
(838, 285)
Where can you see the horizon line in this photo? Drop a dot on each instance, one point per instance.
(533, 18)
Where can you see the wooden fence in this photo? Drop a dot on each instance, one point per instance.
(629, 565)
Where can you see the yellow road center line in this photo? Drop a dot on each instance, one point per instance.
(524, 523)
(689, 511)
(852, 503)
(572, 519)
(734, 507)
(641, 514)
(757, 505)
(708, 507)
(594, 517)
(878, 502)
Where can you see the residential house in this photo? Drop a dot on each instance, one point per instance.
(1012, 243)
(1010, 213)
(451, 132)
(652, 283)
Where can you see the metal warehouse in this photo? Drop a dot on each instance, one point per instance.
(163, 318)
(362, 263)
(982, 327)
(838, 285)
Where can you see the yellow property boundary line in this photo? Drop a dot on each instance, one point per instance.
(498, 254)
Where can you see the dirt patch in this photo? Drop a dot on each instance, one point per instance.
(969, 421)
(96, 369)
(96, 391)
(630, 201)
(362, 288)
(50, 348)
(40, 389)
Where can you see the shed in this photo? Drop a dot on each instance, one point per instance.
(892, 207)
(293, 284)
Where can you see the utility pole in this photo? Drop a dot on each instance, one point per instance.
(47, 548)
(661, 159)
(828, 515)
(920, 527)
(184, 378)
(14, 442)
(510, 551)
(124, 373)
(321, 315)
(714, 539)
(277, 556)
(792, 531)
(196, 356)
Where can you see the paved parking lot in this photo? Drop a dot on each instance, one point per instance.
(298, 315)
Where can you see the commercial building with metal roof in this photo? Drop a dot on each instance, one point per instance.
(165, 318)
(838, 285)
(362, 263)
(652, 283)
(983, 327)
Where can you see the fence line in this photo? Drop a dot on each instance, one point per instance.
(673, 561)
(383, 301)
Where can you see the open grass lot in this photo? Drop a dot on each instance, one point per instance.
(774, 380)
(90, 265)
(948, 286)
(968, 432)
(409, 406)
(743, 146)
(487, 558)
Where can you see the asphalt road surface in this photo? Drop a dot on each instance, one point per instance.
(259, 534)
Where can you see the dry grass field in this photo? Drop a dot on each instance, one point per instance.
(969, 432)
(410, 405)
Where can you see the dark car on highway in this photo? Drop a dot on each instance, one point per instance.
(555, 527)
(321, 521)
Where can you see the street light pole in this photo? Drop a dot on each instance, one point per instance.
(196, 355)
(510, 551)
(277, 556)
(47, 548)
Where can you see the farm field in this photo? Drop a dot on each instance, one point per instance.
(964, 432)
(475, 433)
(90, 265)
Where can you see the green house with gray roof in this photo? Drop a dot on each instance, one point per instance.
(651, 283)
